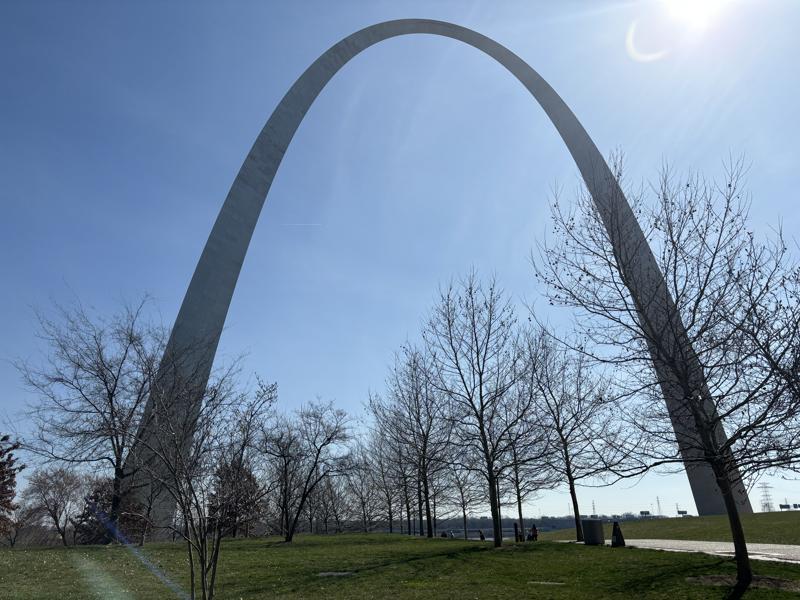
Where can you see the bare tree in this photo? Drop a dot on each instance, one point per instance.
(312, 508)
(323, 512)
(237, 499)
(365, 500)
(527, 477)
(89, 524)
(383, 474)
(723, 367)
(186, 456)
(302, 451)
(396, 469)
(768, 320)
(442, 506)
(406, 473)
(280, 445)
(465, 491)
(57, 493)
(91, 387)
(576, 407)
(333, 503)
(404, 461)
(413, 416)
(20, 520)
(525, 465)
(472, 340)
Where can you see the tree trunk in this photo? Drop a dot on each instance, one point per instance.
(464, 516)
(427, 498)
(143, 537)
(408, 511)
(499, 510)
(493, 504)
(575, 510)
(518, 489)
(116, 499)
(217, 539)
(435, 530)
(191, 568)
(288, 537)
(419, 501)
(744, 571)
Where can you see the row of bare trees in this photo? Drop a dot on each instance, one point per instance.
(235, 461)
(487, 413)
(482, 414)
(481, 411)
(527, 409)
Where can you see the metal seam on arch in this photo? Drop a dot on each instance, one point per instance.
(205, 306)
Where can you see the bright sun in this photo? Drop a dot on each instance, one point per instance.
(696, 13)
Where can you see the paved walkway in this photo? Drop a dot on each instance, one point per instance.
(777, 552)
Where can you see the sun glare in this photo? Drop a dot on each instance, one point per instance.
(696, 13)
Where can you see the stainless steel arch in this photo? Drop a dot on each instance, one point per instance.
(205, 305)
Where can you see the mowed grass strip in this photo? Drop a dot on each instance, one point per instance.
(380, 566)
(764, 528)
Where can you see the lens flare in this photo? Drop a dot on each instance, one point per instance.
(698, 14)
(635, 53)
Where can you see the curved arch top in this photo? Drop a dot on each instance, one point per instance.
(205, 306)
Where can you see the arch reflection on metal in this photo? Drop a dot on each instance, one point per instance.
(205, 306)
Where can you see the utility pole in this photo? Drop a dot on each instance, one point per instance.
(766, 497)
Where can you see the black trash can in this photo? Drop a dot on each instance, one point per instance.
(593, 534)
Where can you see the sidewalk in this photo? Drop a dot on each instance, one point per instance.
(776, 552)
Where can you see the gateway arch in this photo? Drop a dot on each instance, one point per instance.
(201, 318)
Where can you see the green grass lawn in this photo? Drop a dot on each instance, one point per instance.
(381, 566)
(767, 528)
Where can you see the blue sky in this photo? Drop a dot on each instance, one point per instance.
(122, 127)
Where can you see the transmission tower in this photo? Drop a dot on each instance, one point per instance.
(766, 497)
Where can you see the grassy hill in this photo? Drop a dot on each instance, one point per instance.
(377, 566)
(767, 528)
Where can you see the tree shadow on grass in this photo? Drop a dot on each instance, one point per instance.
(450, 553)
(302, 576)
(665, 576)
